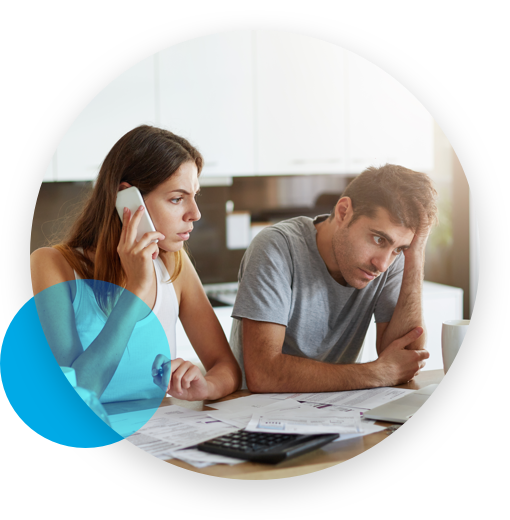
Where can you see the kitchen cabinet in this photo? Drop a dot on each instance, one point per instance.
(257, 103)
(299, 105)
(49, 174)
(386, 123)
(128, 101)
(207, 96)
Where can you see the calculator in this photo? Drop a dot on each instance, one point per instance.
(270, 448)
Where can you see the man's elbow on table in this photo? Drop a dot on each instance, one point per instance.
(258, 378)
(269, 374)
(262, 346)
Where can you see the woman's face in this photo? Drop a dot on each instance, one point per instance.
(173, 208)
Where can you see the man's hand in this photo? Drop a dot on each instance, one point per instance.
(408, 311)
(421, 235)
(397, 364)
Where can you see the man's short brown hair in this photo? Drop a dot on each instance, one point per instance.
(398, 190)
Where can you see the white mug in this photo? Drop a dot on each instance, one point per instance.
(452, 335)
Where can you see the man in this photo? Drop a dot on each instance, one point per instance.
(308, 290)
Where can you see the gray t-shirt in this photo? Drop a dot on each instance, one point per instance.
(283, 279)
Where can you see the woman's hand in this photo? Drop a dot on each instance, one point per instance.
(136, 257)
(181, 379)
(161, 372)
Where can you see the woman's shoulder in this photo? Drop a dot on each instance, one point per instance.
(49, 267)
(49, 256)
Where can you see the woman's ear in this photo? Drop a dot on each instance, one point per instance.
(124, 185)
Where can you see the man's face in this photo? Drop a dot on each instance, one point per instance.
(368, 247)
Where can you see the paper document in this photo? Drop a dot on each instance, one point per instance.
(263, 414)
(201, 459)
(246, 412)
(243, 403)
(304, 420)
(361, 399)
(241, 416)
(127, 423)
(174, 427)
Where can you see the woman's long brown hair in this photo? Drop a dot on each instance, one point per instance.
(144, 157)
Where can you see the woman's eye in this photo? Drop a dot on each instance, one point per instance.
(176, 200)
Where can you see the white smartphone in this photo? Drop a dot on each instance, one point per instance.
(132, 199)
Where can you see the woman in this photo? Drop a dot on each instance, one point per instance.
(165, 168)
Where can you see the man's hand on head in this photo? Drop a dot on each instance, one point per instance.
(421, 235)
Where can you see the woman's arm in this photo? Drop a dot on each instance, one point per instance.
(54, 306)
(208, 339)
(54, 292)
(54, 288)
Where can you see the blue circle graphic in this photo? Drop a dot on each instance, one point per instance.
(39, 391)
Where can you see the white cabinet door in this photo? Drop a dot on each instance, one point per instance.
(49, 173)
(125, 103)
(387, 124)
(299, 105)
(206, 89)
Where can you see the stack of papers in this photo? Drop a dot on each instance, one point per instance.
(286, 416)
(173, 431)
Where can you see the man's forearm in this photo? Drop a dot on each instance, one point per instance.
(285, 373)
(408, 311)
(269, 370)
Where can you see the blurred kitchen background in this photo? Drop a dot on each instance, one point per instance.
(284, 122)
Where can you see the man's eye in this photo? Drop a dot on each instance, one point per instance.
(379, 240)
(398, 250)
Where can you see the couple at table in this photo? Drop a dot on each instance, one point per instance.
(307, 288)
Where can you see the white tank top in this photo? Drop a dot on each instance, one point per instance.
(133, 377)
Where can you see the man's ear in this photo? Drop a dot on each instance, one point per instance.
(124, 185)
(343, 211)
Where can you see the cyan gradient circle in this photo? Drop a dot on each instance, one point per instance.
(40, 393)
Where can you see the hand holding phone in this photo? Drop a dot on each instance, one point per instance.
(132, 199)
(137, 245)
